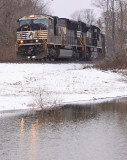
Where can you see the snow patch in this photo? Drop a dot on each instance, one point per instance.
(21, 84)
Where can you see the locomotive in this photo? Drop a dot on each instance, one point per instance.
(44, 36)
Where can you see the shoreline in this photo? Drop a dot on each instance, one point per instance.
(81, 103)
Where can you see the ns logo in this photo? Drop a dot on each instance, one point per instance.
(30, 35)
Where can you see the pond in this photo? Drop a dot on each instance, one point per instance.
(73, 132)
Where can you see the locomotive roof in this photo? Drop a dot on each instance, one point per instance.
(69, 20)
(35, 17)
(74, 21)
(92, 26)
(38, 16)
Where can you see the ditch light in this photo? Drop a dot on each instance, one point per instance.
(21, 42)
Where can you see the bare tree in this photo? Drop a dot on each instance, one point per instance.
(114, 18)
(85, 15)
(88, 16)
(76, 16)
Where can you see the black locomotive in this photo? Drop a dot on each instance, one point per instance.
(42, 36)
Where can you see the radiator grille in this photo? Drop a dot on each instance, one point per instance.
(28, 35)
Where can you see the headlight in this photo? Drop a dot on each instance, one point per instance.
(37, 41)
(21, 42)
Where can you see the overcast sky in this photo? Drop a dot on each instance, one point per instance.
(65, 8)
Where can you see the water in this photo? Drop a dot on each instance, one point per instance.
(87, 132)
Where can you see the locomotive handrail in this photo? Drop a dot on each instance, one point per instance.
(21, 34)
(85, 48)
(45, 43)
(16, 46)
(70, 40)
(81, 44)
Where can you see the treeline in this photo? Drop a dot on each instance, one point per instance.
(113, 22)
(10, 12)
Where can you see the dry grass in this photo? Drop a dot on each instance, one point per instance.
(112, 63)
(45, 101)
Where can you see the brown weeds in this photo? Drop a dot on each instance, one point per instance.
(111, 63)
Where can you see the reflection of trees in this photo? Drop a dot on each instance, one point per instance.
(76, 112)
(67, 113)
(119, 106)
(33, 141)
(111, 114)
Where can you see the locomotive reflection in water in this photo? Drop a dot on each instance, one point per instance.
(42, 36)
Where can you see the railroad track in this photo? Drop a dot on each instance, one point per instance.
(47, 61)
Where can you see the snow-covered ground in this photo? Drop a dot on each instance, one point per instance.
(24, 86)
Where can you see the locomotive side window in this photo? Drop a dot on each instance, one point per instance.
(89, 34)
(41, 21)
(50, 21)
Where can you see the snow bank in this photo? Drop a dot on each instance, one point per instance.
(23, 85)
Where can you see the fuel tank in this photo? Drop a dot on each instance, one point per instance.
(64, 53)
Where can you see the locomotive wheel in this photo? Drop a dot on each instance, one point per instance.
(52, 53)
(76, 55)
(88, 56)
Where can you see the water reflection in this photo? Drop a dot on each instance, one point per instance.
(91, 132)
(22, 126)
(21, 137)
(33, 140)
(67, 113)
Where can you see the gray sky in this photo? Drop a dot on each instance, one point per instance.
(65, 8)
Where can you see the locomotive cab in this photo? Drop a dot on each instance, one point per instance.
(32, 36)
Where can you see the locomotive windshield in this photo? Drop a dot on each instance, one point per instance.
(24, 22)
(43, 21)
